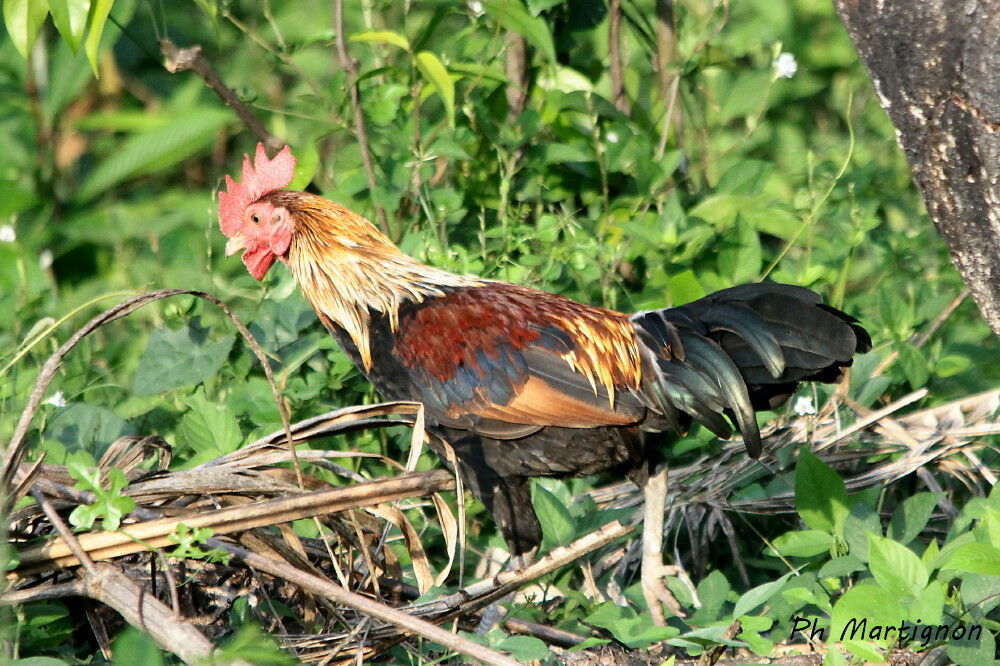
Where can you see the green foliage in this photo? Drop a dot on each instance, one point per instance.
(738, 174)
(188, 541)
(109, 504)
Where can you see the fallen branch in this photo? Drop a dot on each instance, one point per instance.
(149, 534)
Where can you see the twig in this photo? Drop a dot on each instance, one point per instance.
(64, 532)
(192, 59)
(359, 119)
(44, 593)
(615, 56)
(550, 635)
(153, 533)
(921, 339)
(668, 78)
(484, 592)
(516, 69)
(146, 613)
(406, 622)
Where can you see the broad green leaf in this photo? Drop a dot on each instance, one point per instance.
(557, 524)
(972, 649)
(820, 495)
(436, 74)
(896, 568)
(175, 358)
(928, 607)
(82, 426)
(511, 15)
(757, 596)
(98, 17)
(306, 163)
(740, 254)
(975, 558)
(70, 19)
(209, 428)
(861, 608)
(524, 648)
(135, 647)
(635, 631)
(23, 18)
(833, 657)
(911, 516)
(382, 37)
(155, 150)
(536, 7)
(802, 543)
(745, 96)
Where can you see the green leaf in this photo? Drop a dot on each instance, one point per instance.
(860, 522)
(820, 495)
(557, 523)
(741, 257)
(975, 558)
(802, 543)
(536, 7)
(745, 96)
(913, 364)
(87, 427)
(135, 647)
(911, 516)
(757, 596)
(968, 651)
(155, 150)
(861, 608)
(896, 568)
(382, 37)
(635, 631)
(209, 428)
(23, 18)
(175, 358)
(436, 74)
(99, 11)
(524, 648)
(70, 19)
(511, 15)
(306, 163)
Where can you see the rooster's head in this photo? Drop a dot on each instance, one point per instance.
(259, 227)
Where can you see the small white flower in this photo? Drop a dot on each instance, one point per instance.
(57, 399)
(7, 234)
(785, 66)
(475, 7)
(45, 259)
(804, 405)
(612, 137)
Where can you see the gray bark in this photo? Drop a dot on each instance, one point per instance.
(935, 66)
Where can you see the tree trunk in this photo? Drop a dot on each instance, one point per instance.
(935, 66)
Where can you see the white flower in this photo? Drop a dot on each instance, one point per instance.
(45, 259)
(785, 66)
(475, 7)
(612, 137)
(804, 405)
(7, 234)
(57, 399)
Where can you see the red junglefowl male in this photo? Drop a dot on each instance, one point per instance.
(525, 383)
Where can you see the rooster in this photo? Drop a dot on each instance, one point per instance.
(521, 382)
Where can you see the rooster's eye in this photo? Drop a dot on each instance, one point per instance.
(255, 218)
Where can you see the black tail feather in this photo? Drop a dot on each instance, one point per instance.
(742, 349)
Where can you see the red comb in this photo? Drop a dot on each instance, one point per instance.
(266, 175)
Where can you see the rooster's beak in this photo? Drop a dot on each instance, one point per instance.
(234, 245)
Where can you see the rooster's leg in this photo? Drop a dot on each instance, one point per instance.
(653, 570)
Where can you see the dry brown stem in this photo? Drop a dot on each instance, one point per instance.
(193, 59)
